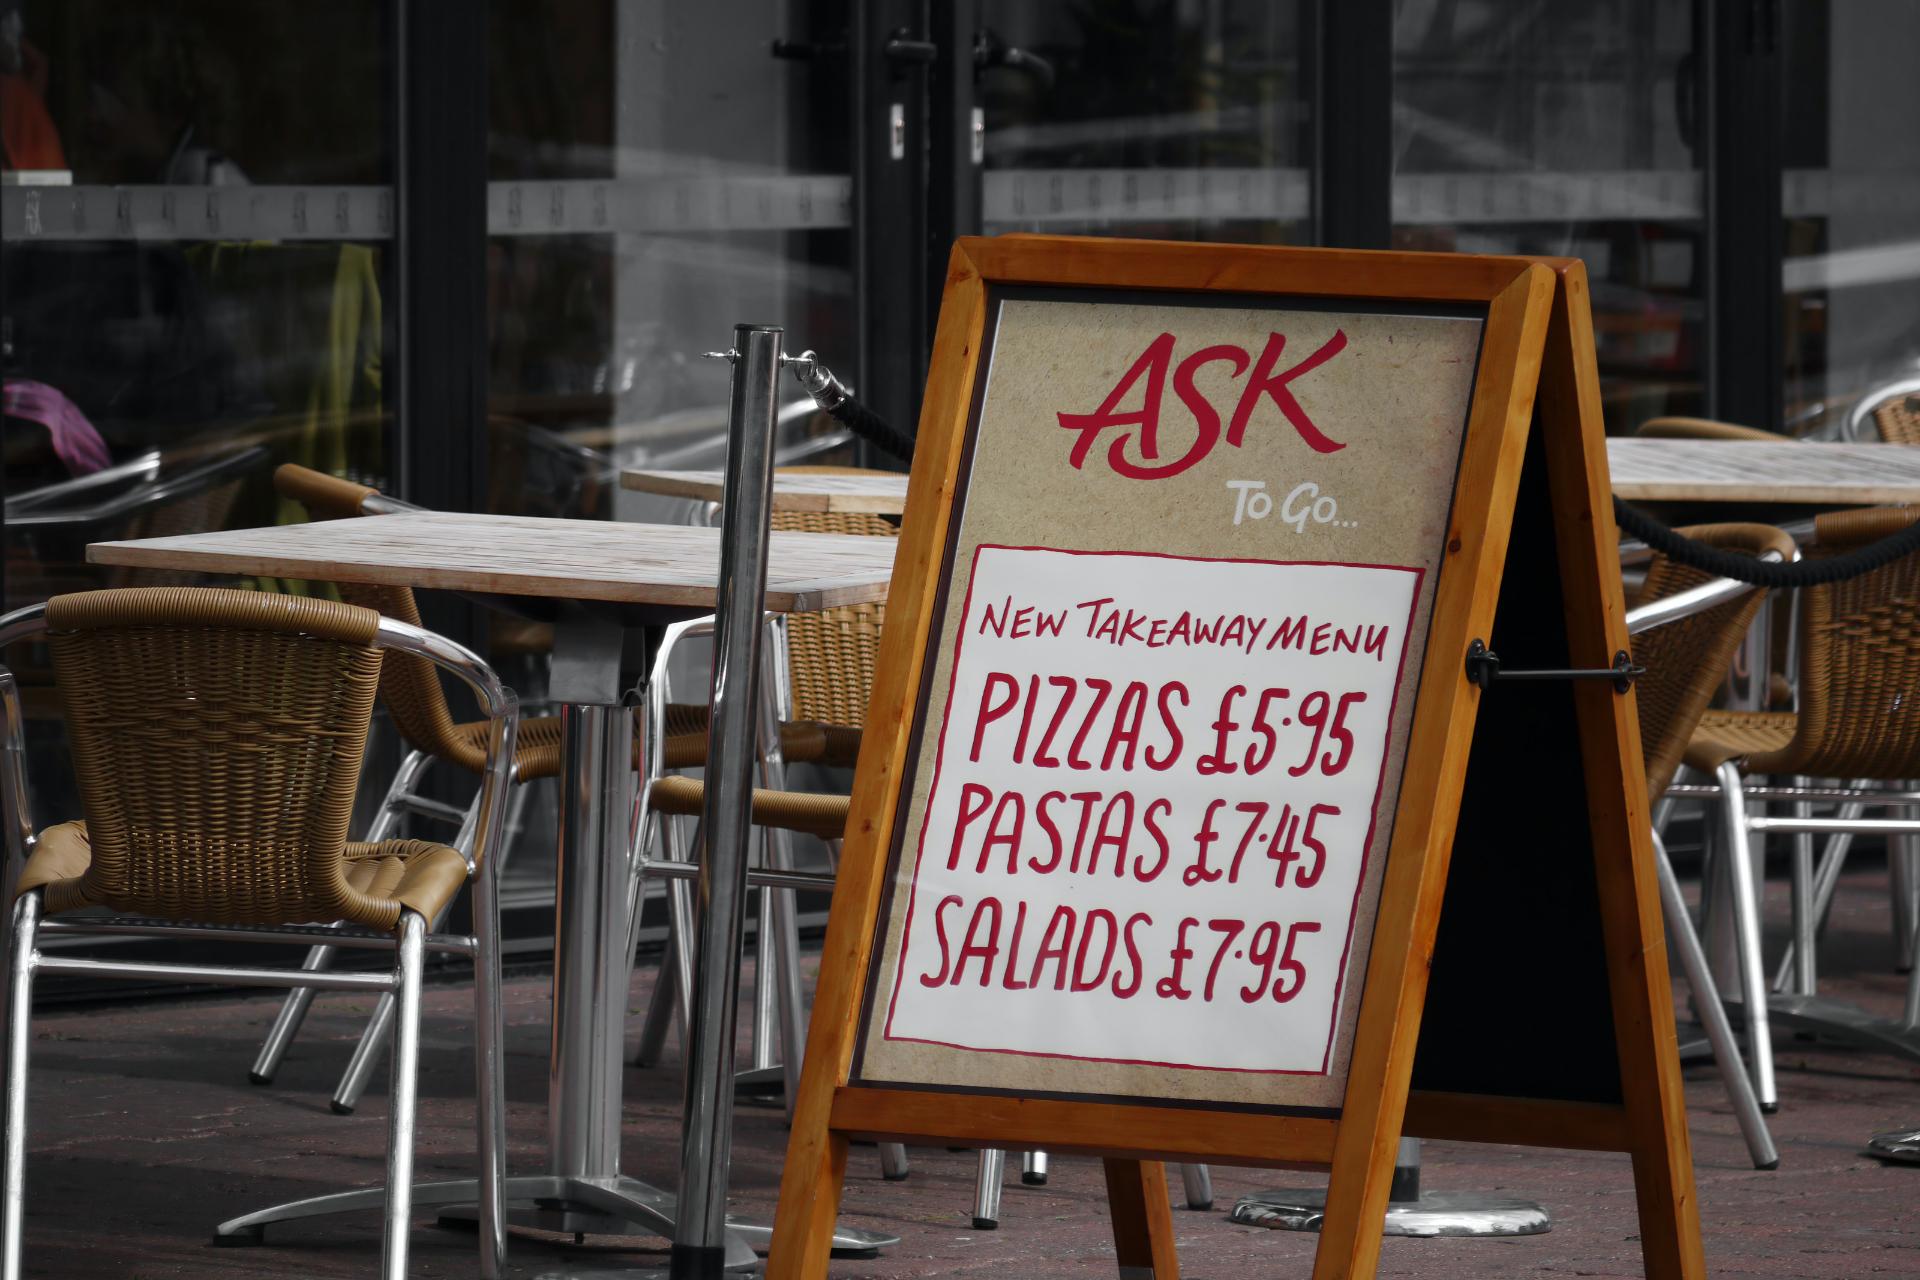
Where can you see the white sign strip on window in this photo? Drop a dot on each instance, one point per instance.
(355, 213)
(1048, 197)
(732, 202)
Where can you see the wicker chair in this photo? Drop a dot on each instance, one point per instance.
(217, 738)
(1858, 718)
(1687, 628)
(1701, 429)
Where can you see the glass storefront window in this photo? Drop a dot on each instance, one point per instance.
(1568, 130)
(196, 207)
(657, 176)
(1162, 120)
(1851, 198)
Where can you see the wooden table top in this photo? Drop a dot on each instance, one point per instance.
(647, 564)
(1764, 471)
(880, 495)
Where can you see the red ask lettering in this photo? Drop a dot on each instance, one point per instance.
(1148, 373)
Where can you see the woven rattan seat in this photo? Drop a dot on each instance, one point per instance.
(1737, 735)
(1859, 667)
(412, 873)
(811, 812)
(1687, 660)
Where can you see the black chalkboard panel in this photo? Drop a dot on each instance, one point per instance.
(1518, 1001)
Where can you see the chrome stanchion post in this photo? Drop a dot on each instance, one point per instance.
(699, 1242)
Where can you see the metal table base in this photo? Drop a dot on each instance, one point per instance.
(1897, 1144)
(1410, 1210)
(1437, 1213)
(1836, 1020)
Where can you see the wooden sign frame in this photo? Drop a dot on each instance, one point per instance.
(1533, 310)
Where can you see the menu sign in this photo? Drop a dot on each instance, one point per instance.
(1155, 764)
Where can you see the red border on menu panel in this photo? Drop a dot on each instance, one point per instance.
(1366, 851)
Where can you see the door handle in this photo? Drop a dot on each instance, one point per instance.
(989, 51)
(901, 47)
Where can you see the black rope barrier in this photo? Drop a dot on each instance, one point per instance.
(832, 395)
(1776, 575)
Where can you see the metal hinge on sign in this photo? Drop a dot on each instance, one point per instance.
(1483, 668)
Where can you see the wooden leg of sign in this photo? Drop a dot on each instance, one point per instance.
(809, 1205)
(1575, 445)
(1415, 883)
(1142, 1219)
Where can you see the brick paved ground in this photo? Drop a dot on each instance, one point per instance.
(145, 1132)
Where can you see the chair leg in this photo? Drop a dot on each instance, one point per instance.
(299, 1001)
(1746, 916)
(366, 1056)
(406, 1079)
(1726, 1050)
(26, 926)
(1197, 1181)
(1911, 1018)
(661, 1007)
(489, 1057)
(1033, 1168)
(986, 1189)
(893, 1161)
(1802, 901)
(1826, 879)
(1901, 850)
(373, 1039)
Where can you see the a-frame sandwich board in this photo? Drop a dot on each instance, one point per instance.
(1390, 443)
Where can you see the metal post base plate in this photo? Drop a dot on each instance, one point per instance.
(574, 1205)
(1435, 1213)
(1898, 1144)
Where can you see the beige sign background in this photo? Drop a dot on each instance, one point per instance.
(1222, 432)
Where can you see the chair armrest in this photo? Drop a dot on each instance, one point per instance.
(502, 709)
(1684, 604)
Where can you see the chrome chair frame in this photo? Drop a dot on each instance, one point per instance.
(403, 982)
(1747, 1108)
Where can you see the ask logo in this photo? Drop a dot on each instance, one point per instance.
(1144, 386)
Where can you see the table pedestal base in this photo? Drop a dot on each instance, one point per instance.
(1437, 1213)
(1897, 1144)
(1838, 1020)
(550, 1202)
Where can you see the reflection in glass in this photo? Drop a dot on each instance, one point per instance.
(179, 315)
(1851, 197)
(657, 176)
(1567, 130)
(1142, 118)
